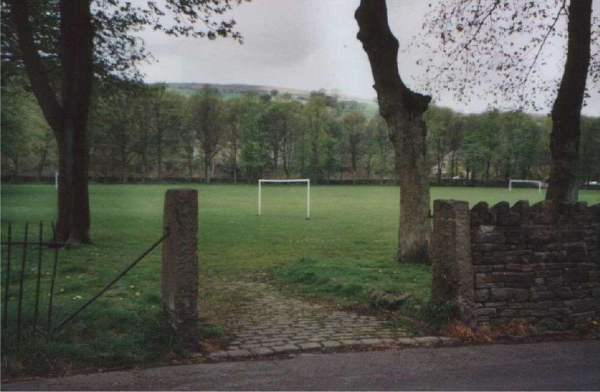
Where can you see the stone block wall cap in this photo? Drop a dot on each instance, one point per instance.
(480, 207)
(182, 190)
(440, 204)
(520, 206)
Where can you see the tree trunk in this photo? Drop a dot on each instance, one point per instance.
(382, 165)
(42, 162)
(207, 162)
(67, 117)
(190, 165)
(440, 159)
(285, 163)
(275, 161)
(413, 175)
(144, 165)
(159, 153)
(566, 111)
(403, 111)
(315, 161)
(16, 167)
(235, 168)
(124, 165)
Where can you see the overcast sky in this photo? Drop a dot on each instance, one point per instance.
(305, 44)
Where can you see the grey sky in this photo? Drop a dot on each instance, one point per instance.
(305, 44)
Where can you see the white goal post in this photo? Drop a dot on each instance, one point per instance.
(539, 183)
(307, 181)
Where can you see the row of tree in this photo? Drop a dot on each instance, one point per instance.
(62, 45)
(145, 131)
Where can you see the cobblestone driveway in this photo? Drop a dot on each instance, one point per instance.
(272, 322)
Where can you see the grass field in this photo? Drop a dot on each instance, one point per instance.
(342, 252)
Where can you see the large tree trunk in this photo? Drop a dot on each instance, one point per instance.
(566, 112)
(235, 164)
(403, 111)
(67, 117)
(77, 78)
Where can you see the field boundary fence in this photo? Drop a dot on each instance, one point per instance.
(20, 321)
(24, 244)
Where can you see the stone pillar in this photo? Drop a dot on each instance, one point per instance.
(452, 267)
(180, 264)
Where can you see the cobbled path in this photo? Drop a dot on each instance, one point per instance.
(273, 323)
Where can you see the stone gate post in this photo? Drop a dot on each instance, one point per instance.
(179, 281)
(452, 267)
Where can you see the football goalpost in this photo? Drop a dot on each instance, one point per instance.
(260, 182)
(539, 184)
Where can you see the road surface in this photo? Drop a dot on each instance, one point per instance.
(541, 366)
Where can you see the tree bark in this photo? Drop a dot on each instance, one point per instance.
(16, 168)
(159, 155)
(67, 117)
(42, 164)
(566, 111)
(275, 160)
(382, 173)
(207, 163)
(235, 163)
(285, 161)
(403, 111)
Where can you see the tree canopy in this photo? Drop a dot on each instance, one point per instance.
(504, 50)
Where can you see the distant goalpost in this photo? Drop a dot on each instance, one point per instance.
(307, 181)
(539, 184)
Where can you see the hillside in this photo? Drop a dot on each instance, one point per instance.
(228, 91)
(236, 89)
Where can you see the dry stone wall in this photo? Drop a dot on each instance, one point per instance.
(529, 262)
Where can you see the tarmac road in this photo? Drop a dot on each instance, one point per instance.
(540, 366)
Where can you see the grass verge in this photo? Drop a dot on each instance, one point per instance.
(350, 282)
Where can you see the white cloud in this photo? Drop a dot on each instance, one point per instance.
(306, 44)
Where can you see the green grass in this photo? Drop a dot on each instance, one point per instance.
(351, 282)
(350, 237)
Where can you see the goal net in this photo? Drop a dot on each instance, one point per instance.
(538, 183)
(306, 181)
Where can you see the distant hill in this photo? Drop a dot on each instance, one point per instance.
(228, 91)
(237, 89)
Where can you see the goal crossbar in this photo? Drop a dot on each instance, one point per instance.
(307, 181)
(539, 184)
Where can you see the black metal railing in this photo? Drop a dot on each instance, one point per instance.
(24, 244)
(115, 280)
